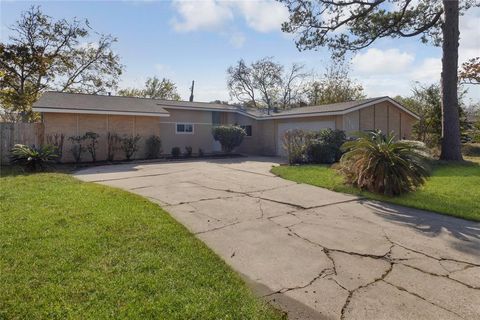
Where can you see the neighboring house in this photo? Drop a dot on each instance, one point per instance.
(182, 123)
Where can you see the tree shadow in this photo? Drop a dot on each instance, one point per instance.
(432, 224)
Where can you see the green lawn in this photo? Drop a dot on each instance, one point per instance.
(73, 250)
(453, 189)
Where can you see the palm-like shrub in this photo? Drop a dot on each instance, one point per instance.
(33, 158)
(378, 163)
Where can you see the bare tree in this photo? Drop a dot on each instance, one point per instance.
(267, 77)
(293, 85)
(241, 83)
(266, 84)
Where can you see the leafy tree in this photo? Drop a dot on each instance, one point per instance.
(335, 86)
(155, 89)
(355, 24)
(470, 72)
(267, 84)
(426, 102)
(47, 54)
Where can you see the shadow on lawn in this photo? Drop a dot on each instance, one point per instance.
(432, 224)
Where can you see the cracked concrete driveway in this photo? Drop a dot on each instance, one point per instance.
(312, 252)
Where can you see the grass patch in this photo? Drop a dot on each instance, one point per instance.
(453, 189)
(74, 250)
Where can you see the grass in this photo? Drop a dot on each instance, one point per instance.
(453, 189)
(74, 250)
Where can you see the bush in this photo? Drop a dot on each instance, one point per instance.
(229, 137)
(77, 147)
(188, 152)
(154, 147)
(129, 145)
(313, 146)
(471, 149)
(295, 143)
(321, 152)
(380, 164)
(326, 147)
(113, 141)
(175, 152)
(57, 140)
(33, 158)
(92, 142)
(201, 153)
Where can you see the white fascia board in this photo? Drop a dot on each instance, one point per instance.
(86, 111)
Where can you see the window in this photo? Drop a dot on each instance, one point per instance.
(248, 130)
(184, 128)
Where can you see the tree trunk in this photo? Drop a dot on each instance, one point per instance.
(451, 145)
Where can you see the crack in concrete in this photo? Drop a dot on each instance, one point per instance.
(374, 256)
(141, 176)
(203, 214)
(439, 275)
(330, 272)
(436, 258)
(245, 193)
(351, 292)
(421, 298)
(218, 228)
(386, 257)
(322, 274)
(206, 199)
(247, 171)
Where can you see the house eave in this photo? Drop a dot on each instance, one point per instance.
(106, 112)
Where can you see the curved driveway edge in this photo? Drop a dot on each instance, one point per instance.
(312, 252)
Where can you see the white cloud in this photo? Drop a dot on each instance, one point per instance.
(263, 16)
(237, 39)
(375, 61)
(469, 35)
(197, 15)
(429, 70)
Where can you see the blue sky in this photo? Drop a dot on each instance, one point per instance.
(199, 40)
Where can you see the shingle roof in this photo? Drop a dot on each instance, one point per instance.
(72, 102)
(98, 103)
(333, 107)
(325, 109)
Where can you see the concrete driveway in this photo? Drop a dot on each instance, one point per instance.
(312, 252)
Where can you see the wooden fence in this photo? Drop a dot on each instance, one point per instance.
(23, 133)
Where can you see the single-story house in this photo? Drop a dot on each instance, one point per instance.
(184, 123)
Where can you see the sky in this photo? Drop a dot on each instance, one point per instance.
(199, 40)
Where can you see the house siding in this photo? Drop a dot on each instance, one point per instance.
(264, 140)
